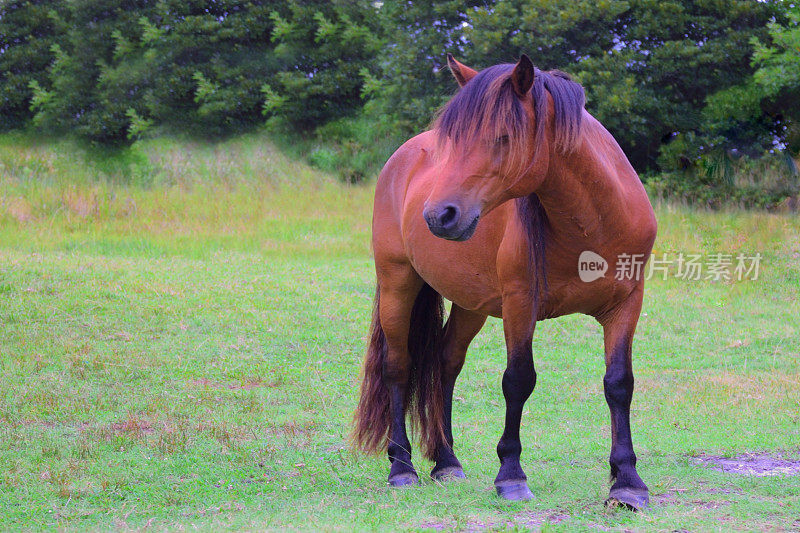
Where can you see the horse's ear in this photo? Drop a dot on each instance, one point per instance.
(522, 77)
(461, 72)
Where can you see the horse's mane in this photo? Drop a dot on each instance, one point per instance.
(487, 108)
(533, 218)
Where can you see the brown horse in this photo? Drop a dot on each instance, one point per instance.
(445, 225)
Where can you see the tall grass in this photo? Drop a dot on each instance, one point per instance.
(239, 191)
(719, 181)
(245, 192)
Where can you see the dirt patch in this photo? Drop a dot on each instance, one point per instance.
(678, 497)
(538, 519)
(667, 498)
(752, 464)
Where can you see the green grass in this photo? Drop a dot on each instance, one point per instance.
(181, 333)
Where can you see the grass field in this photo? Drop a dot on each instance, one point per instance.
(181, 329)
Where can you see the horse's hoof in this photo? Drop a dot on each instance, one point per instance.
(631, 499)
(406, 479)
(448, 473)
(514, 489)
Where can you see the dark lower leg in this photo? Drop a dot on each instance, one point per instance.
(618, 387)
(399, 450)
(461, 328)
(519, 380)
(446, 462)
(627, 487)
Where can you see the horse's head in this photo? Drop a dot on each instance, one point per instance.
(492, 143)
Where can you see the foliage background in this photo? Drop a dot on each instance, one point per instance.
(701, 94)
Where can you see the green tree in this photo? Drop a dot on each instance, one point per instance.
(414, 79)
(78, 99)
(28, 31)
(324, 50)
(778, 76)
(185, 65)
(205, 68)
(648, 66)
(207, 63)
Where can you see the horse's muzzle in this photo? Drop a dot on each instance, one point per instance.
(448, 222)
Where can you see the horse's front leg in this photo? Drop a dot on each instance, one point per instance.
(461, 328)
(618, 327)
(519, 380)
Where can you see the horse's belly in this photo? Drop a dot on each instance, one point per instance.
(461, 283)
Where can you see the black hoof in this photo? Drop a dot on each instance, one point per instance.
(406, 479)
(448, 473)
(514, 489)
(632, 499)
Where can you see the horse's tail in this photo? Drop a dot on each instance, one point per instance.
(424, 393)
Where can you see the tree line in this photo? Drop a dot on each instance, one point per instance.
(682, 84)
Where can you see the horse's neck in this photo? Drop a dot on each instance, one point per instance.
(586, 192)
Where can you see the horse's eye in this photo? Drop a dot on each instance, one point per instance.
(501, 141)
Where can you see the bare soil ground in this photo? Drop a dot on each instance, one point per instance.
(754, 464)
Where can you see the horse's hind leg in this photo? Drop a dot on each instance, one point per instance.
(461, 328)
(399, 286)
(619, 326)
